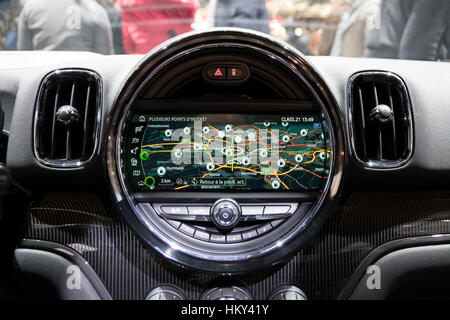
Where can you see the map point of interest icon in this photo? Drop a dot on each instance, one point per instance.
(149, 181)
(144, 155)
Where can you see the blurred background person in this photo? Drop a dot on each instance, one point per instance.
(353, 31)
(115, 18)
(148, 23)
(337, 10)
(249, 14)
(65, 25)
(412, 29)
(9, 20)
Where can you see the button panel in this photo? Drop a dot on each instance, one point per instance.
(218, 238)
(199, 210)
(252, 210)
(174, 210)
(202, 235)
(247, 235)
(235, 73)
(275, 210)
(270, 211)
(249, 212)
(231, 72)
(265, 217)
(264, 229)
(216, 72)
(187, 229)
(234, 237)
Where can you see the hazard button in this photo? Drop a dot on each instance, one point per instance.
(216, 72)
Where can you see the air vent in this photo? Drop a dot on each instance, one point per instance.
(67, 118)
(380, 119)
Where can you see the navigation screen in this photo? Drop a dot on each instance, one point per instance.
(218, 152)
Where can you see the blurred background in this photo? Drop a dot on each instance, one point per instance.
(349, 28)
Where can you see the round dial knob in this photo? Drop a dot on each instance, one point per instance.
(226, 213)
(67, 115)
(287, 292)
(165, 293)
(382, 114)
(229, 293)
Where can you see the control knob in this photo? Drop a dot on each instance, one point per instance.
(382, 114)
(287, 292)
(229, 293)
(67, 115)
(166, 292)
(225, 213)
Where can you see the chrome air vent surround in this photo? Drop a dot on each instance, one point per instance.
(171, 239)
(77, 95)
(383, 143)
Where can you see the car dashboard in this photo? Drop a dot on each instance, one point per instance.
(226, 165)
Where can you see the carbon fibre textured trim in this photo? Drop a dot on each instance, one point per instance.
(364, 221)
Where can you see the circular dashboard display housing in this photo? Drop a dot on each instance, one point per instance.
(225, 176)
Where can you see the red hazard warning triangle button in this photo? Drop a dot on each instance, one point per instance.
(216, 72)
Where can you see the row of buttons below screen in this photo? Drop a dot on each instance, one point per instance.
(233, 237)
(246, 210)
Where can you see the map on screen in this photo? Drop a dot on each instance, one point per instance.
(217, 152)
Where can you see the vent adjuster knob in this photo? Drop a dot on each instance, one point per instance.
(67, 115)
(381, 114)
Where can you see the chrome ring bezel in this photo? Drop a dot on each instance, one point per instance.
(261, 256)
